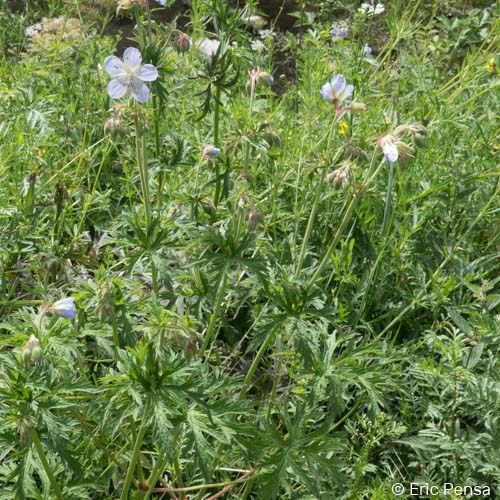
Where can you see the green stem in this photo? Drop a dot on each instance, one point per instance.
(216, 144)
(140, 150)
(215, 315)
(46, 466)
(345, 220)
(250, 110)
(255, 363)
(116, 338)
(136, 451)
(317, 197)
(161, 464)
(141, 158)
(178, 474)
(156, 124)
(388, 199)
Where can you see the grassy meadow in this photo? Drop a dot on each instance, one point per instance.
(247, 260)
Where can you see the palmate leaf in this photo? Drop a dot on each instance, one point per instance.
(301, 454)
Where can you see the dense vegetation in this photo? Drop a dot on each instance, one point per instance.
(226, 273)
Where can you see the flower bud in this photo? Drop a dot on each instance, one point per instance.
(32, 351)
(26, 354)
(419, 140)
(180, 41)
(254, 218)
(209, 154)
(356, 152)
(105, 301)
(340, 177)
(247, 176)
(208, 207)
(124, 5)
(115, 126)
(358, 107)
(258, 77)
(241, 202)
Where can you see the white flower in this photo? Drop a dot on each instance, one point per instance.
(367, 50)
(257, 45)
(336, 90)
(370, 10)
(208, 46)
(255, 21)
(129, 75)
(366, 8)
(391, 152)
(162, 2)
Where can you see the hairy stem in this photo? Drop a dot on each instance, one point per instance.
(46, 466)
(136, 451)
(317, 197)
(215, 314)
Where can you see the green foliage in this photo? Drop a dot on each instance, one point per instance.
(244, 327)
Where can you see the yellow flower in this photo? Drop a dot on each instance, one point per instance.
(490, 65)
(343, 128)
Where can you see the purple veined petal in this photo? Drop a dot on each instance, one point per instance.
(139, 91)
(147, 73)
(390, 152)
(69, 301)
(132, 57)
(348, 91)
(117, 88)
(326, 92)
(69, 313)
(113, 66)
(64, 307)
(338, 84)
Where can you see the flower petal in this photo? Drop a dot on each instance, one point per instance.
(390, 152)
(139, 91)
(113, 66)
(338, 84)
(64, 307)
(326, 92)
(147, 73)
(347, 92)
(132, 57)
(117, 88)
(70, 301)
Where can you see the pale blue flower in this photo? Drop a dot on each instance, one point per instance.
(129, 74)
(336, 90)
(64, 307)
(337, 31)
(391, 153)
(211, 152)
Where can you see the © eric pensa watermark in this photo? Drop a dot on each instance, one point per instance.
(424, 489)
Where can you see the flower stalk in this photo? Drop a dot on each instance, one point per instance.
(317, 197)
(345, 220)
(215, 314)
(136, 451)
(216, 144)
(45, 463)
(140, 151)
(388, 199)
